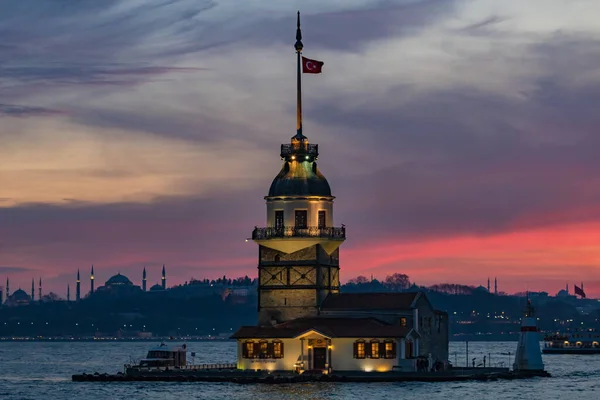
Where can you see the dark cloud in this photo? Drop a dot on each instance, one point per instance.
(16, 110)
(352, 29)
(11, 270)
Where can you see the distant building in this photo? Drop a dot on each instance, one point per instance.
(18, 298)
(118, 285)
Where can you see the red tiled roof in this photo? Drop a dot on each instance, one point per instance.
(331, 327)
(369, 301)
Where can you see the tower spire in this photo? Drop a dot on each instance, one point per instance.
(299, 46)
(40, 290)
(32, 289)
(92, 280)
(164, 278)
(78, 288)
(144, 280)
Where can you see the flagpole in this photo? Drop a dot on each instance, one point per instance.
(298, 46)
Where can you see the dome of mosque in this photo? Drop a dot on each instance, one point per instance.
(118, 280)
(481, 289)
(20, 294)
(156, 287)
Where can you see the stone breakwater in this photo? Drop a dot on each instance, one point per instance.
(251, 377)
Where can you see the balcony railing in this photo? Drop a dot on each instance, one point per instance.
(299, 149)
(294, 232)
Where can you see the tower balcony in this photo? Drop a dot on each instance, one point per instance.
(312, 232)
(299, 149)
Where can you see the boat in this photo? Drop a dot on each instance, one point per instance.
(164, 358)
(578, 342)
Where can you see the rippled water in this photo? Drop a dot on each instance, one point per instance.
(38, 370)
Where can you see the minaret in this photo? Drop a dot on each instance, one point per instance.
(164, 278)
(68, 293)
(78, 288)
(495, 285)
(488, 287)
(299, 247)
(92, 280)
(32, 289)
(7, 289)
(528, 357)
(40, 290)
(567, 288)
(144, 280)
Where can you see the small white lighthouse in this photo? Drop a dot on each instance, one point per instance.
(529, 356)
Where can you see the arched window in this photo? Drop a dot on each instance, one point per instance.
(277, 349)
(248, 349)
(389, 349)
(263, 349)
(359, 349)
(374, 350)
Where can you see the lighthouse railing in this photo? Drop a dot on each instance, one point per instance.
(299, 148)
(292, 231)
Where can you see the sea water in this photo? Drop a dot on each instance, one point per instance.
(42, 371)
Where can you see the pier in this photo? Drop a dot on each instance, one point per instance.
(254, 377)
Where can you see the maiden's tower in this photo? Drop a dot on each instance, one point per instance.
(304, 323)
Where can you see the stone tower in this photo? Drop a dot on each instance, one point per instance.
(299, 247)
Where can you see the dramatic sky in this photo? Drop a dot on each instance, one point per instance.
(459, 136)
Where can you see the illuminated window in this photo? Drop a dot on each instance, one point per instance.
(390, 350)
(249, 350)
(264, 349)
(359, 349)
(277, 350)
(402, 321)
(375, 349)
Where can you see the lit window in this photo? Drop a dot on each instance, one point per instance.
(375, 349)
(359, 350)
(264, 350)
(277, 350)
(402, 321)
(389, 350)
(249, 346)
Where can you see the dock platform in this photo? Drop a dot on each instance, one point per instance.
(280, 377)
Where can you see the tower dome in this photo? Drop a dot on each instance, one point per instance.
(299, 175)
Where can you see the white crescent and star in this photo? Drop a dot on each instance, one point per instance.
(310, 66)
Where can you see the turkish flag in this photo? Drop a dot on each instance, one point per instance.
(579, 291)
(311, 66)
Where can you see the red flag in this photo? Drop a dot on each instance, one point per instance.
(579, 291)
(311, 66)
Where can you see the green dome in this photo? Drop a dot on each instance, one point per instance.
(300, 178)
